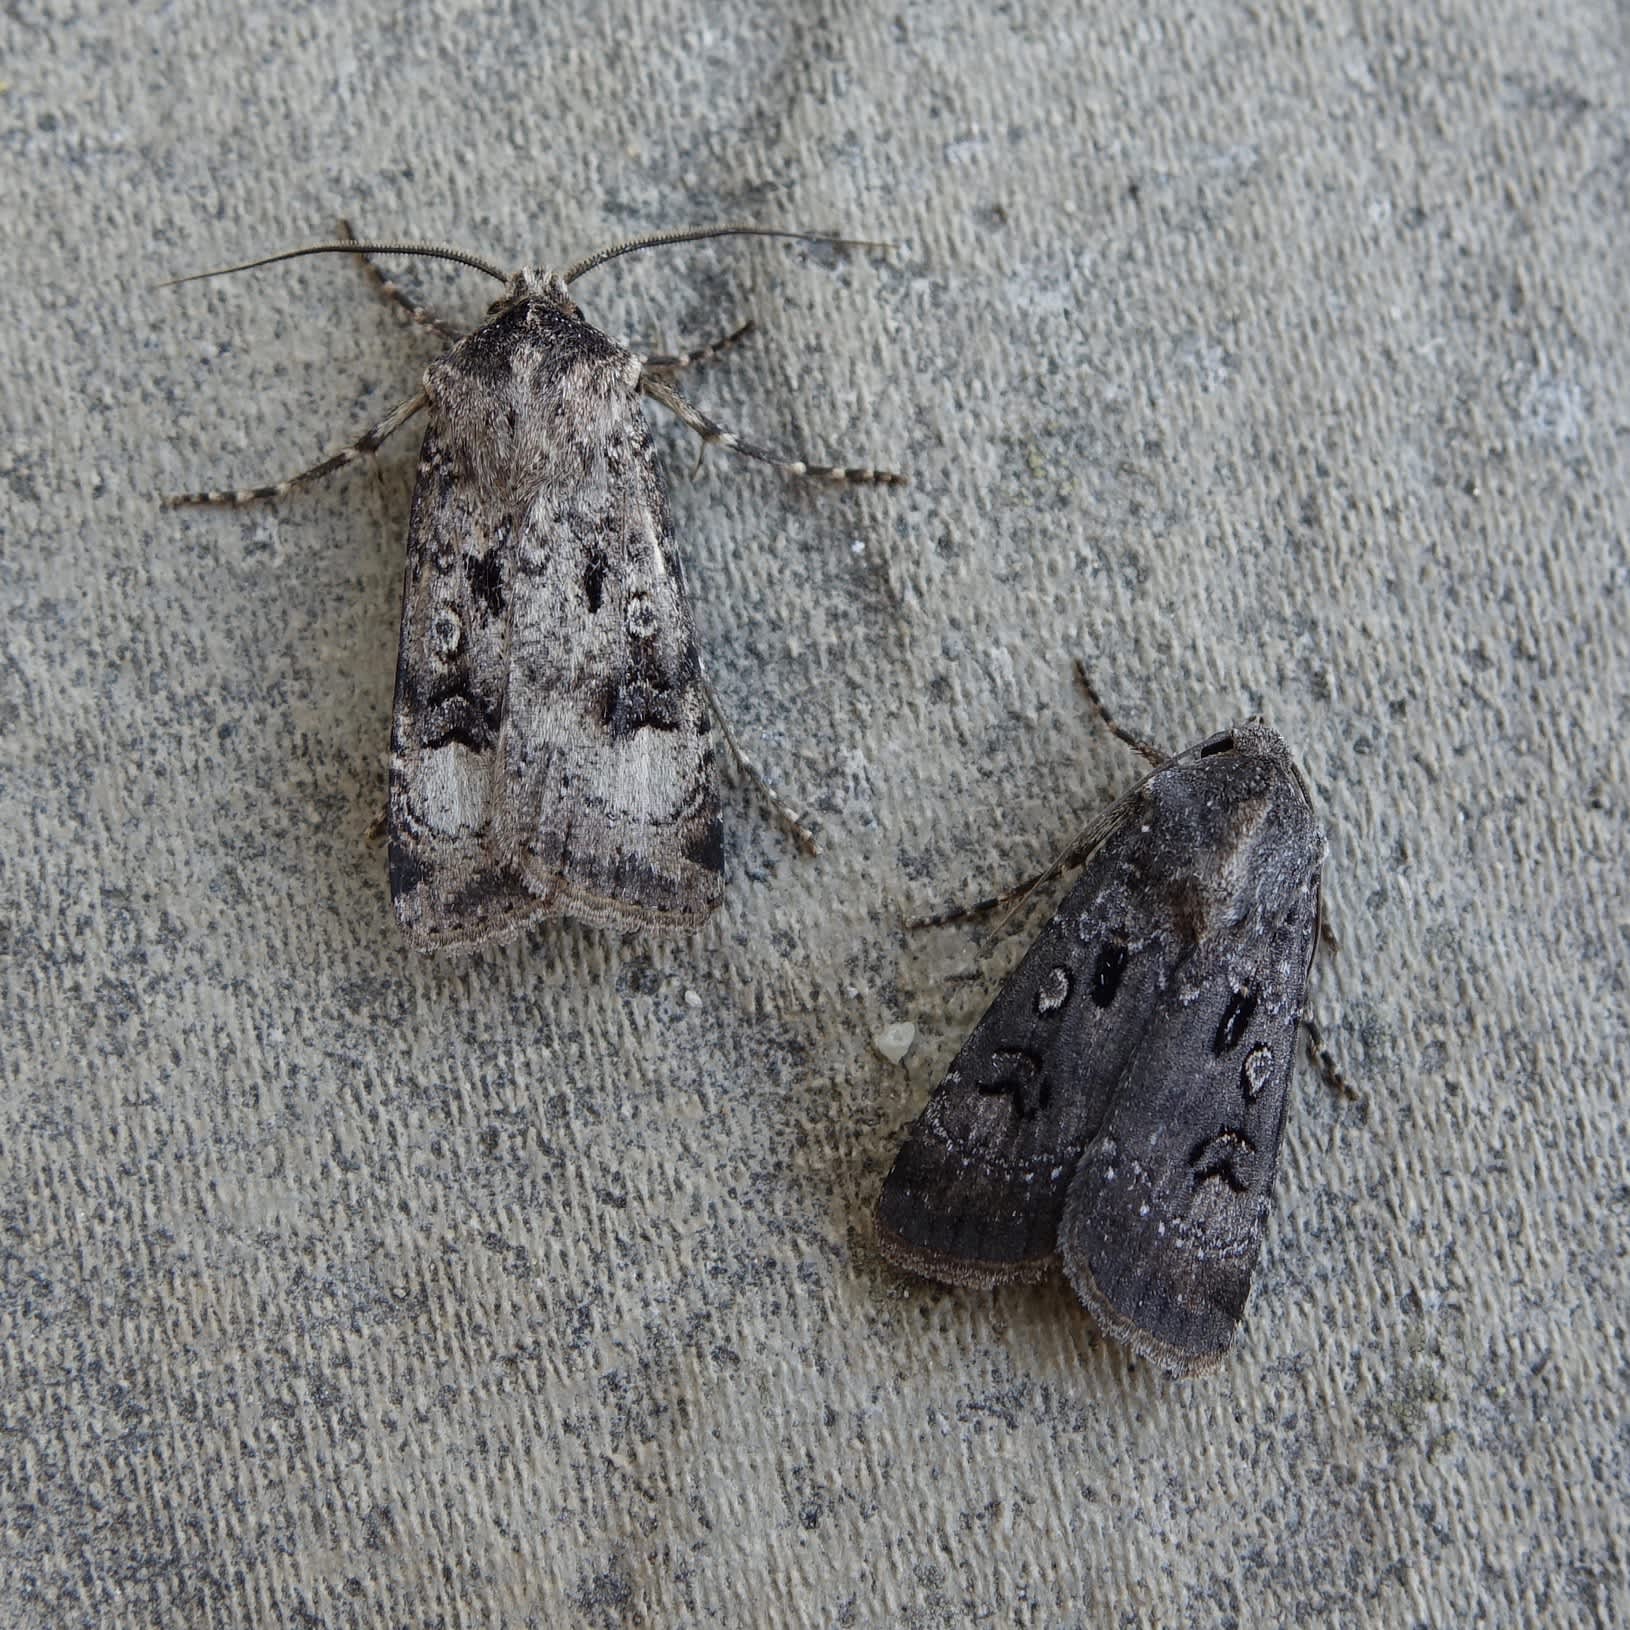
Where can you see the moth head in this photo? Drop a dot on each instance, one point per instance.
(1258, 738)
(536, 283)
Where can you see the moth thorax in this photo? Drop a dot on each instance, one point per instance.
(1222, 881)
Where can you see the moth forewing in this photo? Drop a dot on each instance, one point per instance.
(1121, 1103)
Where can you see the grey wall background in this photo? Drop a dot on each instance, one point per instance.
(1266, 358)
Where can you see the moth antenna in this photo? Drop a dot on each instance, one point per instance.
(692, 234)
(437, 251)
(1136, 743)
(1075, 853)
(1010, 902)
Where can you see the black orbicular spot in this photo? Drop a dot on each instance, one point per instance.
(1107, 972)
(1053, 991)
(1231, 1027)
(485, 575)
(594, 580)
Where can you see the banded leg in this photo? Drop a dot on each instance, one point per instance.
(1008, 897)
(784, 811)
(398, 296)
(716, 435)
(388, 426)
(1327, 1067)
(663, 363)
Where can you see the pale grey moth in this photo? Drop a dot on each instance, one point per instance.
(552, 741)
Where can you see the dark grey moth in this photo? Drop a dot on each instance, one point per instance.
(552, 741)
(1120, 1106)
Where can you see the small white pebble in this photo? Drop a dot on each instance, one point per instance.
(894, 1041)
(692, 999)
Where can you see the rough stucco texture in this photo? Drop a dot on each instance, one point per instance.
(1268, 359)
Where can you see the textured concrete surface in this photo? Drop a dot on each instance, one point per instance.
(1267, 358)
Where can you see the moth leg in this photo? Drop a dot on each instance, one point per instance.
(392, 422)
(1007, 897)
(784, 811)
(398, 296)
(688, 414)
(1153, 754)
(1326, 1065)
(1327, 935)
(703, 353)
